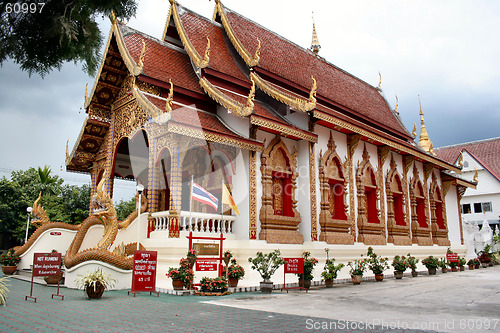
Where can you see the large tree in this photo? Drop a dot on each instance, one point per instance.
(41, 35)
(66, 203)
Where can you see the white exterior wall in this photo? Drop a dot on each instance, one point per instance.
(452, 216)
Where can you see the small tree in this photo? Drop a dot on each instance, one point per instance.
(267, 264)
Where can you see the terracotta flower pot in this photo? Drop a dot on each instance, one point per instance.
(356, 279)
(177, 284)
(398, 275)
(477, 266)
(454, 269)
(379, 277)
(53, 279)
(414, 273)
(471, 267)
(432, 271)
(266, 287)
(462, 268)
(9, 270)
(444, 270)
(233, 282)
(329, 283)
(95, 292)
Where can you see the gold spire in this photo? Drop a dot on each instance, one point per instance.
(396, 108)
(424, 141)
(315, 42)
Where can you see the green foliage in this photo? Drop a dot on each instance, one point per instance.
(184, 272)
(267, 264)
(217, 284)
(309, 263)
(66, 203)
(376, 264)
(3, 290)
(9, 259)
(412, 262)
(235, 271)
(357, 266)
(330, 271)
(124, 208)
(400, 263)
(431, 262)
(92, 278)
(60, 31)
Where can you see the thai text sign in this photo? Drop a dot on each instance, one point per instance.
(45, 264)
(452, 257)
(209, 249)
(144, 273)
(206, 265)
(294, 265)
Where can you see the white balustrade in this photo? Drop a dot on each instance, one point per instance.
(196, 222)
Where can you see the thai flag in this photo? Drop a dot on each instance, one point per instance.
(203, 196)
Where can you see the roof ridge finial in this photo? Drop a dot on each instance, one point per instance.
(379, 81)
(397, 102)
(315, 46)
(424, 141)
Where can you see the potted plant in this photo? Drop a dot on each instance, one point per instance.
(431, 263)
(477, 263)
(400, 265)
(377, 264)
(3, 291)
(191, 257)
(9, 262)
(94, 283)
(266, 265)
(227, 257)
(484, 256)
(412, 264)
(213, 285)
(330, 272)
(461, 263)
(444, 265)
(357, 269)
(234, 273)
(309, 263)
(471, 263)
(182, 276)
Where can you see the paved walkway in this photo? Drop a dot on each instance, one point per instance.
(355, 308)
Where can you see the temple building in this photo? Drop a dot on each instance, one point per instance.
(313, 156)
(480, 162)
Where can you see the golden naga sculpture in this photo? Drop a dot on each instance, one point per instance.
(461, 160)
(104, 213)
(39, 213)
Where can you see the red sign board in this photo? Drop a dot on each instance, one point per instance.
(144, 273)
(45, 264)
(206, 265)
(452, 257)
(294, 265)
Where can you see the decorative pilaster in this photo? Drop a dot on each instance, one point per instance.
(175, 193)
(382, 154)
(312, 187)
(252, 232)
(352, 143)
(153, 177)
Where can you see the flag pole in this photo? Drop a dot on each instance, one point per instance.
(222, 203)
(191, 203)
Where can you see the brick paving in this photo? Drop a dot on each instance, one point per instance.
(119, 312)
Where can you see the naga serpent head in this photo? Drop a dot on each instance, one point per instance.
(101, 203)
(39, 213)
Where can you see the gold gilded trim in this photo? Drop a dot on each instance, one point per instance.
(145, 104)
(191, 51)
(292, 101)
(250, 60)
(282, 129)
(369, 135)
(226, 101)
(200, 134)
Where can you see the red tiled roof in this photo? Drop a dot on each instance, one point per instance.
(198, 28)
(486, 152)
(291, 62)
(161, 62)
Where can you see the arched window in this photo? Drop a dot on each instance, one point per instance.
(278, 216)
(334, 222)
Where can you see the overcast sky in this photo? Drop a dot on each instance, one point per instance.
(445, 51)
